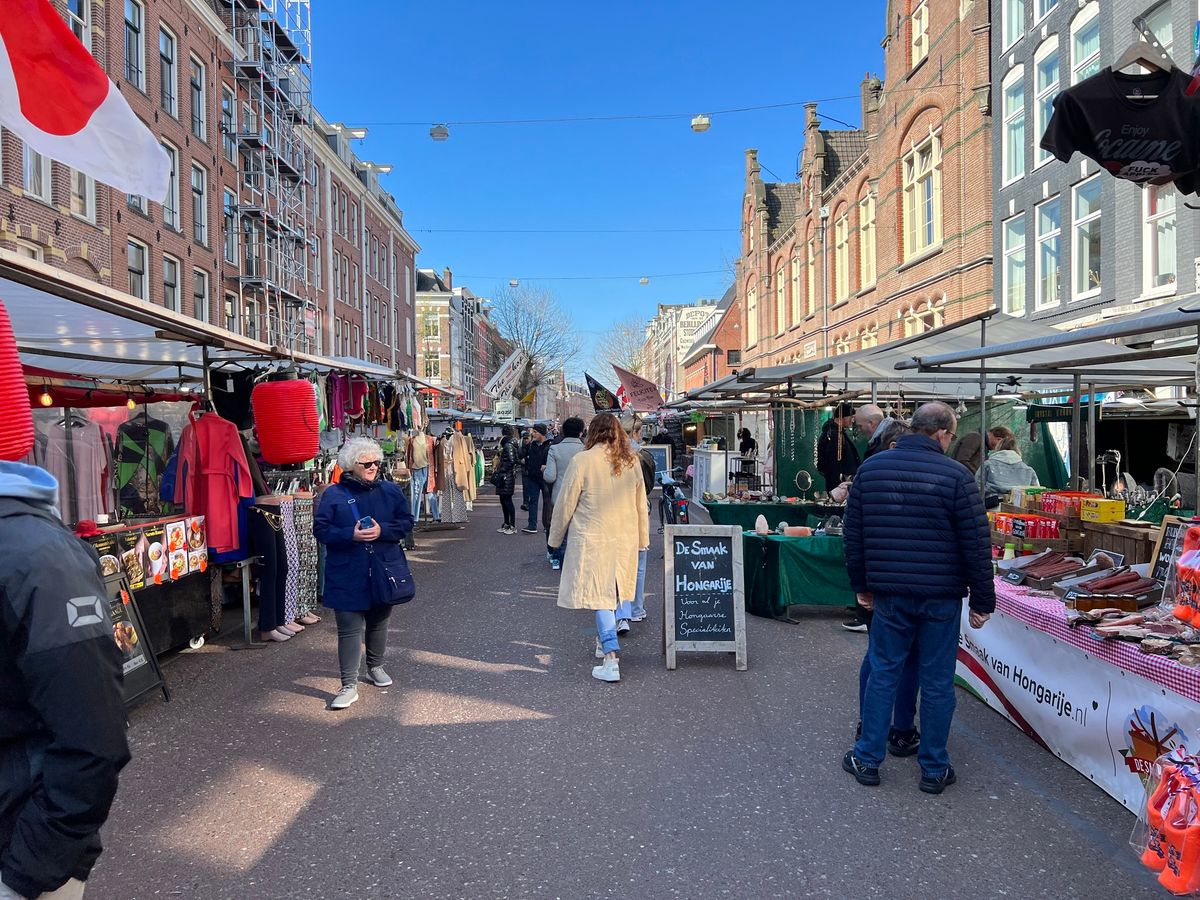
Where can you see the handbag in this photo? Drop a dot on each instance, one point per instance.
(389, 582)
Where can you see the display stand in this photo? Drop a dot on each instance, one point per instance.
(243, 567)
(140, 671)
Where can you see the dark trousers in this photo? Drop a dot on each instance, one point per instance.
(350, 628)
(547, 507)
(904, 714)
(268, 544)
(532, 491)
(510, 511)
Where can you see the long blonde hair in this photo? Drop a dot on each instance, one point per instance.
(606, 429)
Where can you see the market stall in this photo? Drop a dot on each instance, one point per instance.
(745, 513)
(781, 572)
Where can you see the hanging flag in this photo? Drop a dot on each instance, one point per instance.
(531, 396)
(623, 397)
(602, 398)
(57, 98)
(643, 395)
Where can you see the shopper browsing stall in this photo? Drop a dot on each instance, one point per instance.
(1004, 468)
(837, 457)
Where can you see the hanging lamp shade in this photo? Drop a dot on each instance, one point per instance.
(286, 419)
(16, 419)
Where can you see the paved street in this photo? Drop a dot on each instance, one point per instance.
(496, 767)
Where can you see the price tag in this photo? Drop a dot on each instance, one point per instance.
(1016, 576)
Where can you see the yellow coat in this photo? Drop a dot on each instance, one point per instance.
(606, 515)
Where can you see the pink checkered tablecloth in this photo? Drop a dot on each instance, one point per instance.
(1046, 613)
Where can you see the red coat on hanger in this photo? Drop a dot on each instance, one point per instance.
(213, 474)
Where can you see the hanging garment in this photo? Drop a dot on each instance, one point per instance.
(356, 401)
(436, 468)
(322, 401)
(471, 490)
(213, 474)
(81, 464)
(143, 447)
(308, 559)
(266, 530)
(453, 502)
(231, 395)
(339, 396)
(291, 587)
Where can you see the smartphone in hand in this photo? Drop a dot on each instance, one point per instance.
(366, 522)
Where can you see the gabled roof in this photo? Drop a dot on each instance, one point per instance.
(428, 281)
(781, 208)
(842, 150)
(705, 337)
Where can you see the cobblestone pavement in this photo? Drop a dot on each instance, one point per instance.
(496, 767)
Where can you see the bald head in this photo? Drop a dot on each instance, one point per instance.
(868, 418)
(930, 418)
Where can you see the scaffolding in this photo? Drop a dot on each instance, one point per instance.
(275, 216)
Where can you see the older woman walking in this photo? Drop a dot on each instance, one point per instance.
(358, 519)
(602, 502)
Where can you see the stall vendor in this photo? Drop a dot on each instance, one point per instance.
(837, 457)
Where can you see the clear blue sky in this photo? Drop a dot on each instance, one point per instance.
(384, 61)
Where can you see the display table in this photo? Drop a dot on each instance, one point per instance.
(794, 571)
(1103, 707)
(744, 515)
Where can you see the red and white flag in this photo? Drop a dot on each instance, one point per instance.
(623, 397)
(641, 394)
(57, 98)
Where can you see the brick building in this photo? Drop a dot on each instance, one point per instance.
(716, 350)
(887, 231)
(242, 239)
(669, 336)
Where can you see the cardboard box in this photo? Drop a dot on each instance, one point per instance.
(1099, 510)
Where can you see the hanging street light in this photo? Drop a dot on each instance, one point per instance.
(439, 132)
(643, 280)
(514, 282)
(701, 123)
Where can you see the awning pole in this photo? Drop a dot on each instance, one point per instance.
(983, 424)
(207, 374)
(875, 392)
(1091, 444)
(1077, 436)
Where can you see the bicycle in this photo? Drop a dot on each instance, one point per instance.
(673, 505)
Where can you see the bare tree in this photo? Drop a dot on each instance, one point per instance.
(624, 345)
(531, 319)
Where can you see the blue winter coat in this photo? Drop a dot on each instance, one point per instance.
(915, 527)
(342, 505)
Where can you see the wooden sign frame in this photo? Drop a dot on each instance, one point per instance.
(670, 643)
(1169, 583)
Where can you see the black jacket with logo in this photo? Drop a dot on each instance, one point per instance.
(62, 718)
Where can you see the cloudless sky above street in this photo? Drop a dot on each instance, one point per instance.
(381, 63)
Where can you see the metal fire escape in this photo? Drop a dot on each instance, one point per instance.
(275, 218)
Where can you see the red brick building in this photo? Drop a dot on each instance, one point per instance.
(717, 349)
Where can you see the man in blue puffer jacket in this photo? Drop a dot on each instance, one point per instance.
(917, 541)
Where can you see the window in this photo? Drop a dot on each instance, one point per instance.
(79, 17)
(408, 285)
(1049, 227)
(357, 343)
(374, 319)
(228, 125)
(433, 365)
(432, 329)
(337, 335)
(199, 205)
(135, 74)
(841, 345)
(923, 197)
(342, 214)
(1014, 21)
(386, 322)
(1014, 265)
(752, 317)
(869, 337)
(337, 284)
(919, 26)
(346, 298)
(318, 263)
(199, 96)
(1160, 256)
(841, 258)
(733, 357)
(810, 281)
(83, 196)
(28, 250)
(171, 283)
(136, 256)
(232, 319)
(166, 72)
(797, 310)
(137, 204)
(1085, 43)
(171, 200)
(408, 331)
(1044, 7)
(1045, 88)
(35, 174)
(1086, 249)
(866, 240)
(1014, 125)
(200, 294)
(252, 319)
(383, 266)
(354, 224)
(229, 213)
(355, 297)
(780, 300)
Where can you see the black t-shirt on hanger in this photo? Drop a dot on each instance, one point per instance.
(1109, 119)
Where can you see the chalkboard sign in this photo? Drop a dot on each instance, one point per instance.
(662, 459)
(1166, 553)
(704, 593)
(139, 665)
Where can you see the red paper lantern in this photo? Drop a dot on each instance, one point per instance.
(16, 419)
(286, 419)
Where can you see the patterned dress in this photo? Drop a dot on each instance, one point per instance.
(309, 563)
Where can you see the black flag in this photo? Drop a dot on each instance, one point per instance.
(603, 400)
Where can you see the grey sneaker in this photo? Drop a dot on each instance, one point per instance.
(623, 626)
(378, 677)
(599, 650)
(346, 696)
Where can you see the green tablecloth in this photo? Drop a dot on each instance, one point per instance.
(794, 571)
(744, 514)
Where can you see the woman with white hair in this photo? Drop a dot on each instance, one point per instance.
(361, 521)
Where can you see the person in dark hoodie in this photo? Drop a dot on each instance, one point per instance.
(62, 716)
(837, 457)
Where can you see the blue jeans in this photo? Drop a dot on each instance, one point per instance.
(531, 490)
(606, 630)
(559, 553)
(905, 712)
(929, 629)
(420, 478)
(639, 595)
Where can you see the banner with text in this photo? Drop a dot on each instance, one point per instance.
(643, 395)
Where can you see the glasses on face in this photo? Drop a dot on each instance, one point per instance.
(371, 463)
(951, 434)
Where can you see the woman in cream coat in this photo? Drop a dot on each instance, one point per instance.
(602, 501)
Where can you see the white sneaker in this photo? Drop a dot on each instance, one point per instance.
(556, 565)
(641, 618)
(346, 696)
(377, 676)
(599, 650)
(609, 670)
(623, 626)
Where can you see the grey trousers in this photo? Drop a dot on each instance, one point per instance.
(350, 628)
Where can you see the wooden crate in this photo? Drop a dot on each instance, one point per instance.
(1071, 542)
(1136, 542)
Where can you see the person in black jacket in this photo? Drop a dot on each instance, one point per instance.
(837, 457)
(62, 716)
(505, 478)
(917, 541)
(533, 460)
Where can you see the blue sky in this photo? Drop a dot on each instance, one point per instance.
(382, 62)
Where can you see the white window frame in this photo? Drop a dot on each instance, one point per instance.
(1151, 222)
(29, 250)
(1013, 26)
(810, 278)
(1044, 8)
(200, 210)
(230, 251)
(780, 299)
(168, 102)
(232, 301)
(841, 257)
(86, 196)
(198, 111)
(172, 216)
(173, 303)
(1043, 95)
(867, 259)
(318, 262)
(409, 333)
(912, 180)
(81, 24)
(408, 286)
(35, 167)
(229, 123)
(145, 288)
(1009, 254)
(751, 317)
(919, 33)
(1077, 224)
(797, 298)
(1013, 126)
(200, 299)
(1084, 18)
(250, 311)
(138, 203)
(1040, 239)
(135, 67)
